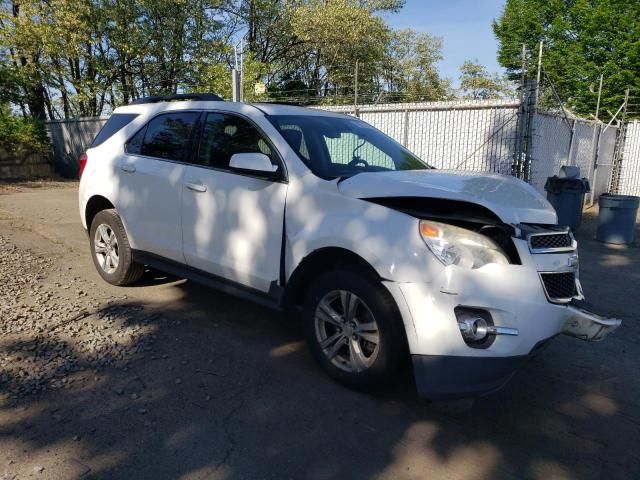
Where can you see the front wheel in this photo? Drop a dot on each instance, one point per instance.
(353, 328)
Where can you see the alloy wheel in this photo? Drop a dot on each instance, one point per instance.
(106, 248)
(347, 331)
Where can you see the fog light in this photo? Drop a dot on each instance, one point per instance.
(474, 329)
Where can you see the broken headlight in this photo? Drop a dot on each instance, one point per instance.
(459, 246)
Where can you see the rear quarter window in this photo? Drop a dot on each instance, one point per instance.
(116, 122)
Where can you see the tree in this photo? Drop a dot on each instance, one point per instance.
(410, 69)
(24, 53)
(75, 58)
(582, 40)
(478, 84)
(336, 34)
(69, 58)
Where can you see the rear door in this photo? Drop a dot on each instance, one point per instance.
(150, 188)
(232, 223)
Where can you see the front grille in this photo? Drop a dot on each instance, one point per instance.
(551, 241)
(559, 286)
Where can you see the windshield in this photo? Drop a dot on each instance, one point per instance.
(341, 147)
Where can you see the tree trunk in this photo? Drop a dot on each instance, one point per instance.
(33, 87)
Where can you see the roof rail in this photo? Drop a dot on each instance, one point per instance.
(202, 97)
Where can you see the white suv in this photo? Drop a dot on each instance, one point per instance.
(307, 210)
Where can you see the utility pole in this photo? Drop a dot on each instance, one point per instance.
(235, 94)
(355, 88)
(539, 74)
(235, 90)
(241, 92)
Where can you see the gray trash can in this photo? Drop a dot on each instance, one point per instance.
(617, 218)
(567, 197)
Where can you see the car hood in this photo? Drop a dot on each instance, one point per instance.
(511, 199)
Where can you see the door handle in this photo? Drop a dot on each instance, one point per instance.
(128, 168)
(196, 187)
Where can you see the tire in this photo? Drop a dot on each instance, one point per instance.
(123, 271)
(372, 366)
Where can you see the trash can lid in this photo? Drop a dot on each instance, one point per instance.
(558, 185)
(569, 171)
(608, 200)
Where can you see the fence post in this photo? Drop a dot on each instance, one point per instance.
(532, 110)
(516, 166)
(595, 139)
(355, 92)
(521, 167)
(405, 133)
(571, 142)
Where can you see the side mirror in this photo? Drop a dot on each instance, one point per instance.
(253, 164)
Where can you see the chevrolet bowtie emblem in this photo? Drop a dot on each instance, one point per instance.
(572, 262)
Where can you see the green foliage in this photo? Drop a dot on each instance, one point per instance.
(75, 58)
(215, 77)
(21, 135)
(478, 84)
(410, 67)
(582, 40)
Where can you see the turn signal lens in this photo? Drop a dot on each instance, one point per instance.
(428, 230)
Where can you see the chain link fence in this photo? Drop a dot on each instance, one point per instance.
(627, 180)
(625, 177)
(483, 136)
(557, 140)
(465, 135)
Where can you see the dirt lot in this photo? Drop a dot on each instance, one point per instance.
(167, 379)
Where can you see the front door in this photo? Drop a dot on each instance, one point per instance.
(232, 222)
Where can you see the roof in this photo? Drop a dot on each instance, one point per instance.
(282, 109)
(186, 103)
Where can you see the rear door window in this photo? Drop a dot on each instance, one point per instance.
(167, 136)
(116, 122)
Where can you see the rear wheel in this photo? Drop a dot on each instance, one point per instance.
(353, 328)
(110, 249)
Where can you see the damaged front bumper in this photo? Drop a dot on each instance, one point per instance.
(439, 377)
(513, 298)
(586, 325)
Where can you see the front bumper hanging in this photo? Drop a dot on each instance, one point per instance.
(586, 325)
(442, 376)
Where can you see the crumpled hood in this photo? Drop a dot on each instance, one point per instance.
(511, 199)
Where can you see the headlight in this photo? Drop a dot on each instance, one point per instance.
(459, 246)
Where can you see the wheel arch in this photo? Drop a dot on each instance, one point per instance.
(94, 205)
(321, 260)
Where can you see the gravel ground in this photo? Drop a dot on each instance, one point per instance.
(19, 186)
(54, 334)
(167, 379)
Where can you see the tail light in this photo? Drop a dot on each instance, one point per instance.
(82, 160)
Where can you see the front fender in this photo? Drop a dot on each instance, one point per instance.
(386, 239)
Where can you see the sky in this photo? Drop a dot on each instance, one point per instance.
(464, 25)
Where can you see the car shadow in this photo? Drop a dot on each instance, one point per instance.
(227, 389)
(154, 277)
